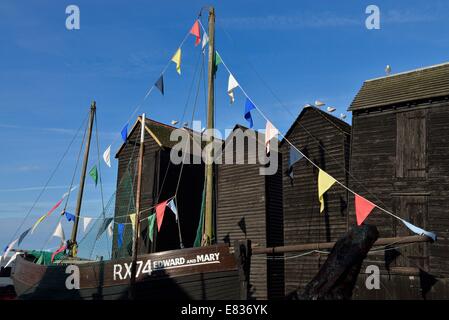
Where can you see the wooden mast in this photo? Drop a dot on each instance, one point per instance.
(73, 244)
(209, 208)
(136, 235)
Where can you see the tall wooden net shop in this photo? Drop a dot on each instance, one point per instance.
(395, 154)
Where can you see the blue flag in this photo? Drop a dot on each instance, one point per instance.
(419, 231)
(23, 235)
(248, 107)
(125, 133)
(160, 84)
(69, 216)
(295, 156)
(120, 229)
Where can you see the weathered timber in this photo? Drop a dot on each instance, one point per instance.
(338, 275)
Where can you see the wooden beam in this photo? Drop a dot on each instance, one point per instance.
(330, 245)
(154, 137)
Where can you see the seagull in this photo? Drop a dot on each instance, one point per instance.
(174, 122)
(342, 116)
(185, 124)
(319, 103)
(331, 109)
(307, 105)
(388, 70)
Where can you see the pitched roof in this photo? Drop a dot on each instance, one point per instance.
(342, 126)
(160, 132)
(424, 83)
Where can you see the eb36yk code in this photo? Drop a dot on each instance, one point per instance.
(246, 309)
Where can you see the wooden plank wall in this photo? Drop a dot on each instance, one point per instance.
(248, 201)
(422, 199)
(303, 222)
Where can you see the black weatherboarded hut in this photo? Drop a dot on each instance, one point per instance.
(325, 140)
(400, 160)
(249, 206)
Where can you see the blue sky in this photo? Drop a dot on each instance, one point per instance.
(300, 50)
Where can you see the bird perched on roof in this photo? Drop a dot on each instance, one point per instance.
(331, 109)
(342, 116)
(307, 105)
(174, 122)
(388, 70)
(319, 103)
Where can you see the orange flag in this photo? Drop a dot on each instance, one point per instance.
(363, 208)
(196, 32)
(160, 210)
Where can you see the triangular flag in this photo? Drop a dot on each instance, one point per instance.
(124, 133)
(151, 220)
(120, 229)
(12, 259)
(55, 207)
(363, 208)
(325, 181)
(132, 217)
(196, 32)
(37, 222)
(59, 232)
(173, 208)
(94, 174)
(270, 133)
(23, 235)
(111, 229)
(103, 227)
(204, 41)
(232, 84)
(295, 156)
(9, 248)
(419, 231)
(177, 59)
(218, 59)
(160, 210)
(61, 249)
(107, 156)
(69, 216)
(248, 107)
(86, 221)
(160, 84)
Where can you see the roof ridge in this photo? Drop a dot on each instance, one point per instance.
(410, 71)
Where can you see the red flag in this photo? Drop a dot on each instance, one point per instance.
(196, 32)
(54, 207)
(58, 251)
(160, 210)
(362, 208)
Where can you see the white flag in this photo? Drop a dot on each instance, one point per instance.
(107, 156)
(9, 248)
(12, 259)
(59, 232)
(205, 40)
(86, 222)
(111, 229)
(173, 208)
(232, 84)
(270, 133)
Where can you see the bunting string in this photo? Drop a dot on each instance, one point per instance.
(256, 107)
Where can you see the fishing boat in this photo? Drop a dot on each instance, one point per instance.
(211, 271)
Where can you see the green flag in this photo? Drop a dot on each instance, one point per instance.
(94, 174)
(217, 61)
(151, 220)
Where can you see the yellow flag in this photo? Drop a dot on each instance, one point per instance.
(132, 217)
(325, 181)
(177, 59)
(38, 221)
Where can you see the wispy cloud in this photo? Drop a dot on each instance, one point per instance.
(291, 22)
(309, 20)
